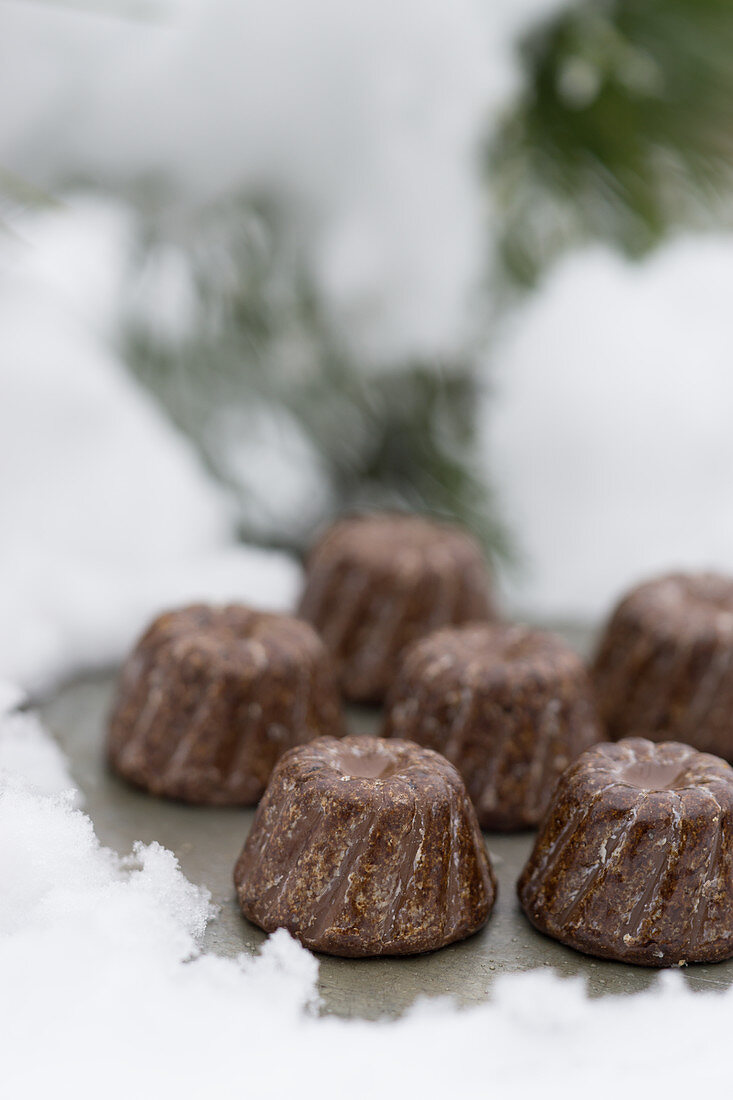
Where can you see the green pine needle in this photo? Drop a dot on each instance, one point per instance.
(626, 130)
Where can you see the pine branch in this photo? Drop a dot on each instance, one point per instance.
(626, 130)
(400, 438)
(18, 195)
(624, 133)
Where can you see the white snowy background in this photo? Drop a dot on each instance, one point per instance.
(609, 425)
(107, 516)
(608, 431)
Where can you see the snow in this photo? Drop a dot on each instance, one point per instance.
(107, 515)
(608, 425)
(29, 756)
(11, 697)
(105, 989)
(365, 120)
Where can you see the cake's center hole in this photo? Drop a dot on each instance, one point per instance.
(369, 765)
(650, 775)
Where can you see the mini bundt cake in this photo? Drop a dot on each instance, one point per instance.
(376, 583)
(634, 860)
(211, 698)
(509, 706)
(665, 664)
(366, 847)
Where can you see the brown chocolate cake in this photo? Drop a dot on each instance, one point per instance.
(211, 698)
(376, 583)
(665, 664)
(366, 847)
(509, 706)
(634, 860)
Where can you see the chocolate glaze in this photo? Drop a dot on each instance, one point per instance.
(211, 698)
(366, 847)
(509, 706)
(634, 860)
(665, 664)
(376, 583)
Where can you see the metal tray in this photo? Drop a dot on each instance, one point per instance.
(208, 841)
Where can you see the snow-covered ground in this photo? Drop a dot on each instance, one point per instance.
(104, 991)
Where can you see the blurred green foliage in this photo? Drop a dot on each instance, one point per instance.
(625, 129)
(16, 196)
(623, 132)
(261, 343)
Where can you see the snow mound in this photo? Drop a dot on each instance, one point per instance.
(107, 514)
(28, 755)
(609, 425)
